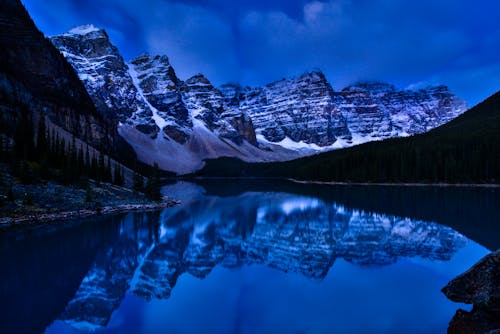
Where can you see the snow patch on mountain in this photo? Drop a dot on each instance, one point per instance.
(83, 30)
(179, 123)
(160, 122)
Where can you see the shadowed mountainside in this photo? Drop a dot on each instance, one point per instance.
(36, 78)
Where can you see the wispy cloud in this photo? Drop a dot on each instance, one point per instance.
(455, 42)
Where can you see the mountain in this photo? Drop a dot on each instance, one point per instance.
(378, 110)
(465, 150)
(35, 79)
(181, 123)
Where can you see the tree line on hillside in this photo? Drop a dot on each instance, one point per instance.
(466, 150)
(412, 160)
(43, 154)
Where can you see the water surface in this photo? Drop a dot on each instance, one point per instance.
(250, 258)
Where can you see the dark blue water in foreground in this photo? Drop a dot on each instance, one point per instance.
(239, 260)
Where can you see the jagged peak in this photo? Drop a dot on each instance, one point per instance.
(436, 88)
(198, 79)
(314, 75)
(231, 85)
(372, 86)
(424, 86)
(143, 55)
(146, 57)
(85, 30)
(162, 58)
(141, 59)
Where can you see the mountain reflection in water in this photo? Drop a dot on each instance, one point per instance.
(146, 254)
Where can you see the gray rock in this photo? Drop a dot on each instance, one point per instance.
(156, 80)
(103, 72)
(480, 286)
(377, 110)
(301, 109)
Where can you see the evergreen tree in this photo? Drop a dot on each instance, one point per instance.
(138, 182)
(52, 147)
(24, 146)
(10, 194)
(80, 161)
(3, 149)
(93, 167)
(72, 158)
(61, 153)
(88, 191)
(19, 138)
(152, 190)
(107, 175)
(118, 177)
(87, 162)
(41, 138)
(30, 139)
(100, 168)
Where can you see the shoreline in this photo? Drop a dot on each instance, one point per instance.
(43, 218)
(405, 184)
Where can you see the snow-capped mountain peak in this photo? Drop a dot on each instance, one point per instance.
(83, 30)
(180, 123)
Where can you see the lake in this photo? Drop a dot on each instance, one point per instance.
(252, 256)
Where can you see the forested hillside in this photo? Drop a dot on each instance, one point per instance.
(465, 150)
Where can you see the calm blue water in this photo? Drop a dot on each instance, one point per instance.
(240, 259)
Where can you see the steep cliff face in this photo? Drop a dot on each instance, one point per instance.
(180, 123)
(208, 105)
(377, 110)
(243, 126)
(160, 88)
(35, 77)
(105, 75)
(300, 109)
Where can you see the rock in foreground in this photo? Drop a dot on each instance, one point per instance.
(480, 285)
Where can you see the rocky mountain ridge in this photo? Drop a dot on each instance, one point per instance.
(180, 123)
(35, 80)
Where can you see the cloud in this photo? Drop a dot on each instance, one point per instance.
(313, 10)
(196, 40)
(454, 42)
(351, 41)
(329, 36)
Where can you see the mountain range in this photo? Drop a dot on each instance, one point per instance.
(180, 123)
(464, 150)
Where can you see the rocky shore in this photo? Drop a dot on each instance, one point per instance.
(49, 201)
(480, 286)
(66, 215)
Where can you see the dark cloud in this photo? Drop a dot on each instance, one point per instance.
(408, 43)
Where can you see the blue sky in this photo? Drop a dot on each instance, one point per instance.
(407, 43)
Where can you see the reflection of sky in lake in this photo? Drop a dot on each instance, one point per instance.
(400, 298)
(267, 262)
